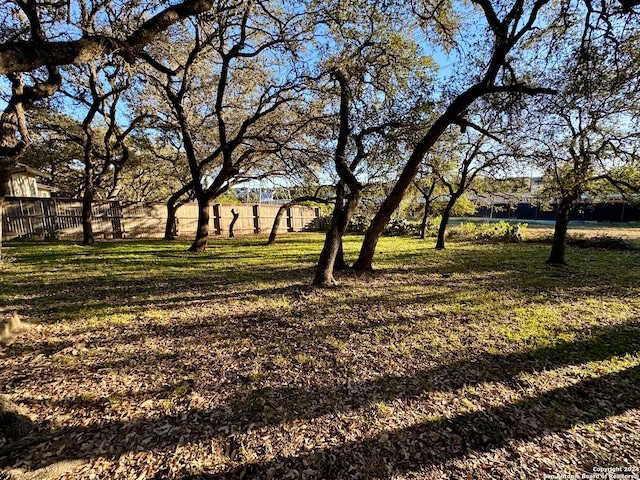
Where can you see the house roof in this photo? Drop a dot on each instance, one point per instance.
(22, 168)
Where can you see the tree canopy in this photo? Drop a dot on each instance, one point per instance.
(346, 93)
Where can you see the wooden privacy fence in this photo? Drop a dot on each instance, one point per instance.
(61, 218)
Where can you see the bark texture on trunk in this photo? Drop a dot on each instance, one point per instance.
(87, 216)
(171, 227)
(332, 252)
(559, 244)
(28, 56)
(340, 263)
(202, 231)
(6, 166)
(276, 223)
(442, 228)
(324, 269)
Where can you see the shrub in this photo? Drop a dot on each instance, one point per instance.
(432, 226)
(464, 231)
(359, 224)
(399, 228)
(492, 232)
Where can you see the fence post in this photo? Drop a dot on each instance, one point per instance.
(115, 212)
(289, 220)
(49, 223)
(217, 224)
(256, 219)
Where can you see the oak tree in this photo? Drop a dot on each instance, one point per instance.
(231, 83)
(39, 37)
(498, 30)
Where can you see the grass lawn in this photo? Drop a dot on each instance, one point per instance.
(479, 361)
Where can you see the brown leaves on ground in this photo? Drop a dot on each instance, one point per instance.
(428, 369)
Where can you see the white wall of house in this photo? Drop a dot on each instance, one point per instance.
(22, 185)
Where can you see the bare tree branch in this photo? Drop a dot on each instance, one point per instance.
(26, 56)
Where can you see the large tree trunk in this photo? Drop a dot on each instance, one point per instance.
(87, 215)
(14, 137)
(391, 203)
(332, 249)
(442, 229)
(559, 244)
(11, 147)
(116, 187)
(202, 231)
(340, 263)
(342, 211)
(326, 262)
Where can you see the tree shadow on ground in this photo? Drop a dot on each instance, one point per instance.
(413, 448)
(68, 298)
(439, 442)
(173, 282)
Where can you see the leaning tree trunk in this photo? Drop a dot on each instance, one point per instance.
(559, 244)
(202, 231)
(283, 208)
(391, 203)
(87, 216)
(276, 223)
